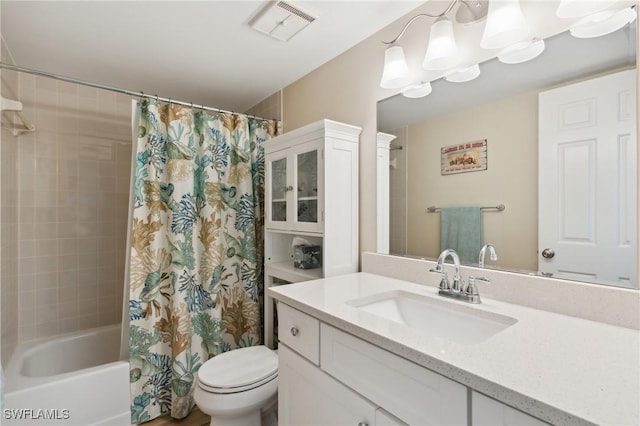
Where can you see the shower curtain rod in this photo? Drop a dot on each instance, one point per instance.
(118, 90)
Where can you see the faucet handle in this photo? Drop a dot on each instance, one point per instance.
(471, 287)
(444, 281)
(438, 269)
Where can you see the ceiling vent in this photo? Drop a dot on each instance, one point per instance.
(281, 20)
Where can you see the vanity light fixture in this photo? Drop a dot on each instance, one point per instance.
(505, 25)
(580, 8)
(442, 51)
(521, 52)
(417, 90)
(461, 75)
(602, 23)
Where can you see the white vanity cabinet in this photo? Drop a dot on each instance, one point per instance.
(311, 193)
(356, 382)
(486, 411)
(308, 396)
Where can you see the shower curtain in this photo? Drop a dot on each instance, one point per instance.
(195, 267)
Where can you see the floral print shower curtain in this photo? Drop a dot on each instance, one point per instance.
(196, 249)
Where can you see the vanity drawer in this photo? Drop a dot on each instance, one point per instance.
(408, 391)
(300, 332)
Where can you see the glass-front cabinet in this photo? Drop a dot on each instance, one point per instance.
(294, 189)
(311, 207)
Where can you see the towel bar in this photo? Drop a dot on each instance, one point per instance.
(499, 207)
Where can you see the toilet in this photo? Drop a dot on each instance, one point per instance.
(239, 387)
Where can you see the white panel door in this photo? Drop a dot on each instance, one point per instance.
(587, 177)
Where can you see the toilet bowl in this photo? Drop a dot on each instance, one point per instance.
(239, 387)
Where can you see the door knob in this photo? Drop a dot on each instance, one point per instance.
(294, 331)
(548, 253)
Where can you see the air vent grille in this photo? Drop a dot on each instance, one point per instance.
(281, 20)
(295, 11)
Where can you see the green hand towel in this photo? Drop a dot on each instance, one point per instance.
(461, 230)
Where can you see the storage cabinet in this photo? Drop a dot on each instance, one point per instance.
(311, 193)
(357, 382)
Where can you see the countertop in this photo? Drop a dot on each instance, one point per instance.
(560, 369)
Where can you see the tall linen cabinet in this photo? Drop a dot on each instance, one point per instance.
(311, 197)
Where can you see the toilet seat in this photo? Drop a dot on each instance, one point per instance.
(239, 370)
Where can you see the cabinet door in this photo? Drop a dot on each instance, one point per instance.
(278, 187)
(489, 412)
(294, 188)
(383, 418)
(307, 396)
(414, 394)
(308, 203)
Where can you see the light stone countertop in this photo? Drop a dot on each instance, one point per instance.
(558, 368)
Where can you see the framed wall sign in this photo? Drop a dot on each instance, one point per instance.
(466, 157)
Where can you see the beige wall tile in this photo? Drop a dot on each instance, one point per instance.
(60, 216)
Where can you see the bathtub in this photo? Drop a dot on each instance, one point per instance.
(73, 379)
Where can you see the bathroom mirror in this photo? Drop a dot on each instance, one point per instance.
(500, 106)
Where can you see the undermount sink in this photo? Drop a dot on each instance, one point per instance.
(439, 318)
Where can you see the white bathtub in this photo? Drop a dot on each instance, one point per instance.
(74, 379)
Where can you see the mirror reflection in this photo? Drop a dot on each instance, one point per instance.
(546, 124)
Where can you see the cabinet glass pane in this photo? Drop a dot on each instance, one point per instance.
(278, 190)
(308, 211)
(308, 186)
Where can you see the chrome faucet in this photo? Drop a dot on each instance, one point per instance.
(458, 290)
(444, 281)
(492, 254)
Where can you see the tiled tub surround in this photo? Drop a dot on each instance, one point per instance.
(73, 182)
(9, 217)
(557, 368)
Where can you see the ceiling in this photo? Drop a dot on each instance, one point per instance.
(194, 51)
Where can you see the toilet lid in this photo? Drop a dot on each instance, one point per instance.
(240, 369)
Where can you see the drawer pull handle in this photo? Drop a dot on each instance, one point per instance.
(363, 424)
(294, 331)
